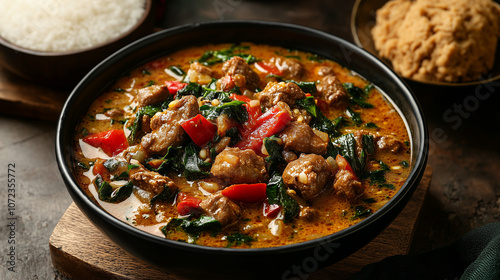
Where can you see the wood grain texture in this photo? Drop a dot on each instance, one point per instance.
(80, 251)
(20, 97)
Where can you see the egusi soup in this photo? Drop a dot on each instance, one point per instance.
(241, 146)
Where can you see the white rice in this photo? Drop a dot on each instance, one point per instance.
(66, 25)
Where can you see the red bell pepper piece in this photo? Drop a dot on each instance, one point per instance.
(174, 86)
(246, 193)
(266, 125)
(155, 163)
(268, 68)
(270, 210)
(111, 142)
(238, 97)
(187, 204)
(199, 129)
(344, 164)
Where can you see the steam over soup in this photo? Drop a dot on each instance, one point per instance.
(241, 146)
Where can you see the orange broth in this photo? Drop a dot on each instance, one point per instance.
(335, 213)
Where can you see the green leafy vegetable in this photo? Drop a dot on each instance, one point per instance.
(167, 195)
(369, 200)
(214, 57)
(194, 166)
(355, 117)
(150, 111)
(377, 177)
(275, 159)
(177, 71)
(368, 88)
(319, 121)
(234, 109)
(194, 228)
(276, 194)
(371, 125)
(190, 89)
(237, 239)
(346, 146)
(307, 87)
(361, 212)
(316, 58)
(108, 194)
(357, 95)
(111, 164)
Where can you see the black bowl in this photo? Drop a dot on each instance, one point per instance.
(215, 263)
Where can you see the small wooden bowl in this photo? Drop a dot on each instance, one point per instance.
(65, 69)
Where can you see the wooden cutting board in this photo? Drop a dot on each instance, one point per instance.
(20, 97)
(80, 251)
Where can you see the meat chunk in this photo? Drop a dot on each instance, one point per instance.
(114, 113)
(222, 209)
(346, 185)
(166, 126)
(238, 66)
(300, 137)
(309, 175)
(332, 91)
(149, 180)
(323, 71)
(151, 95)
(275, 92)
(308, 213)
(239, 166)
(389, 142)
(290, 68)
(198, 73)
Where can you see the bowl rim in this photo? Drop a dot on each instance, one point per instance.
(413, 178)
(357, 41)
(148, 4)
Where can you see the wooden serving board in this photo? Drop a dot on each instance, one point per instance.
(81, 251)
(20, 97)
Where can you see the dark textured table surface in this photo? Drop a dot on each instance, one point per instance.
(464, 126)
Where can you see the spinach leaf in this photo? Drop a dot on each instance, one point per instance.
(108, 194)
(276, 162)
(170, 161)
(319, 121)
(190, 89)
(234, 109)
(357, 95)
(167, 195)
(377, 177)
(214, 57)
(111, 164)
(215, 94)
(177, 70)
(150, 111)
(346, 146)
(355, 116)
(361, 212)
(276, 194)
(307, 87)
(194, 166)
(371, 125)
(194, 228)
(237, 239)
(368, 88)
